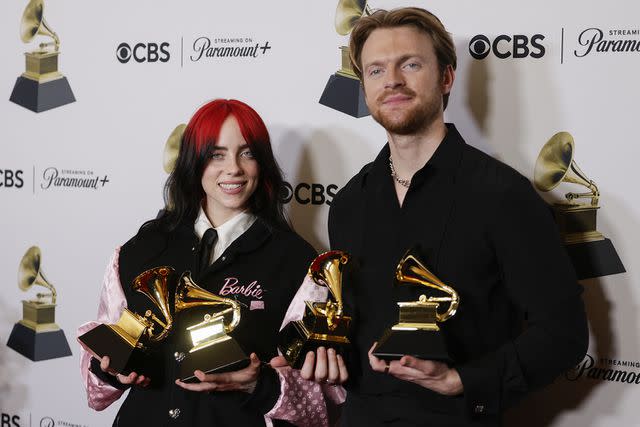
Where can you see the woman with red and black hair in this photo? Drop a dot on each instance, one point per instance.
(223, 220)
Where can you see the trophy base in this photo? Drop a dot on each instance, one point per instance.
(422, 344)
(344, 94)
(123, 357)
(38, 97)
(295, 341)
(595, 259)
(223, 356)
(38, 345)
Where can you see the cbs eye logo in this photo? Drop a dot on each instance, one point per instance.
(504, 46)
(143, 52)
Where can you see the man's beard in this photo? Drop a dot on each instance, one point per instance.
(413, 120)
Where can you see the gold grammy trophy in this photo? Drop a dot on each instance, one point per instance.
(212, 349)
(37, 336)
(41, 87)
(343, 91)
(172, 148)
(592, 254)
(128, 341)
(417, 332)
(324, 323)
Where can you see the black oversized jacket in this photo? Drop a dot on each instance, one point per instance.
(262, 269)
(482, 229)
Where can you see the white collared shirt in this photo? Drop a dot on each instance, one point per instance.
(227, 232)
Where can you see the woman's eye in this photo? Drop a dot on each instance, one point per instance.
(217, 156)
(247, 154)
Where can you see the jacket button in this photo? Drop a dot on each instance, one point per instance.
(223, 258)
(479, 409)
(179, 356)
(174, 413)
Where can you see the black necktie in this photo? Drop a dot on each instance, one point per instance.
(206, 247)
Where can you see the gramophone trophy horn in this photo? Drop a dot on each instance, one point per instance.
(593, 255)
(417, 332)
(127, 341)
(213, 349)
(37, 336)
(41, 87)
(343, 91)
(172, 148)
(323, 324)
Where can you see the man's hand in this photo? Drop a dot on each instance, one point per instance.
(435, 376)
(131, 379)
(324, 367)
(243, 380)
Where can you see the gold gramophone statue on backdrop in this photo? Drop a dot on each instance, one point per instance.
(172, 148)
(343, 91)
(417, 332)
(127, 341)
(37, 336)
(592, 254)
(212, 349)
(324, 323)
(41, 87)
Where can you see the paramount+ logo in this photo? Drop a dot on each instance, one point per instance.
(143, 52)
(504, 46)
(309, 193)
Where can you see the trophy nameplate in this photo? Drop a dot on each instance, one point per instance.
(41, 87)
(592, 254)
(417, 332)
(323, 323)
(213, 350)
(37, 336)
(343, 91)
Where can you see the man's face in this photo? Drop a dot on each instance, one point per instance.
(402, 82)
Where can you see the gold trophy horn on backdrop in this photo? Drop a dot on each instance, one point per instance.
(37, 336)
(343, 91)
(213, 350)
(592, 253)
(324, 323)
(417, 332)
(41, 87)
(127, 341)
(172, 148)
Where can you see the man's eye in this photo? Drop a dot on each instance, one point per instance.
(375, 71)
(412, 66)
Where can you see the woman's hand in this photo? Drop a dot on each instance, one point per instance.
(323, 366)
(243, 380)
(131, 379)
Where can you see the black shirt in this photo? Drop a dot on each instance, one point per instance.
(482, 229)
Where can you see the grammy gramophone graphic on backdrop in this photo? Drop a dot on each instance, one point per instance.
(343, 91)
(37, 336)
(41, 87)
(593, 255)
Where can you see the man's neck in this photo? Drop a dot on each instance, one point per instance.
(411, 152)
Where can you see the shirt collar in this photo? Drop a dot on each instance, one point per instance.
(445, 158)
(227, 232)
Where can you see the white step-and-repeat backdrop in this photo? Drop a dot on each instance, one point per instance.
(77, 180)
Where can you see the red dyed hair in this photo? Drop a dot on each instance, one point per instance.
(184, 188)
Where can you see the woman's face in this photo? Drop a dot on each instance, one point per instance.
(231, 176)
